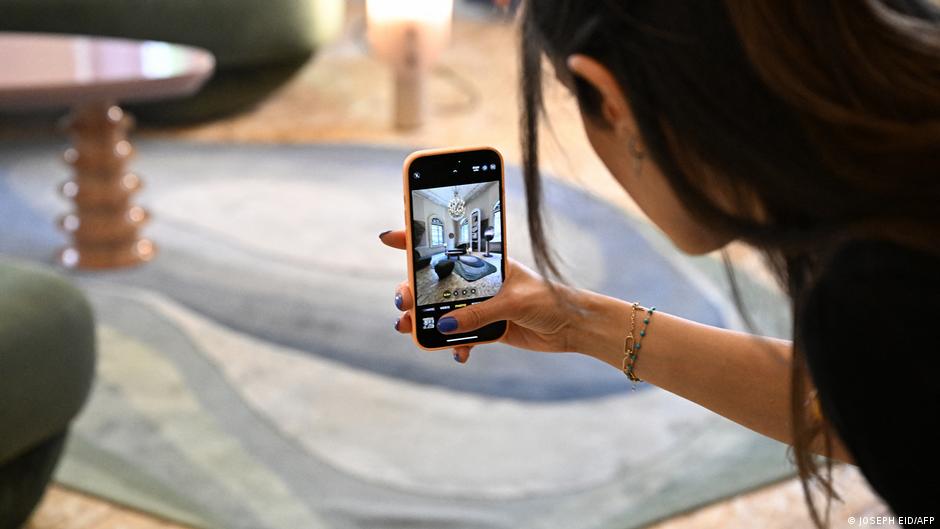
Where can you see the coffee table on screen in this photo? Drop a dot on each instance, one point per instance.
(91, 76)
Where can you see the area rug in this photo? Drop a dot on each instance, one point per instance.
(250, 377)
(474, 269)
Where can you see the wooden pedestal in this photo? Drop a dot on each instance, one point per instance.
(104, 226)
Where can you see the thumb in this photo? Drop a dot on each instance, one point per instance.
(472, 317)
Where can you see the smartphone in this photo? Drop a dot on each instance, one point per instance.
(455, 224)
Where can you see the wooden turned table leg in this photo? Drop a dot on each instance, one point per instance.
(105, 224)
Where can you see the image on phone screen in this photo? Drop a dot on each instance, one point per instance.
(457, 235)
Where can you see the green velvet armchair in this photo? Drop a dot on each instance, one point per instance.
(47, 362)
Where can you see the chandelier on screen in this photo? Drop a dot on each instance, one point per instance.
(457, 207)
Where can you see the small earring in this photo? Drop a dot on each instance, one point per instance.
(638, 155)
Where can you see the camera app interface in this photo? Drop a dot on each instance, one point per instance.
(458, 247)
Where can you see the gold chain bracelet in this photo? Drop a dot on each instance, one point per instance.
(631, 344)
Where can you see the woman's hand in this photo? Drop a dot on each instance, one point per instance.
(536, 321)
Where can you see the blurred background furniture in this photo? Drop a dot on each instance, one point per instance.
(47, 359)
(410, 36)
(90, 75)
(258, 45)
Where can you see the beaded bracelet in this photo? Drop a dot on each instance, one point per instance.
(631, 344)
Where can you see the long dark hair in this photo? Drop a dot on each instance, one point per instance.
(827, 112)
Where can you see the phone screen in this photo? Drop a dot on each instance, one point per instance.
(458, 237)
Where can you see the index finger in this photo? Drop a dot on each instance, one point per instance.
(393, 238)
(462, 353)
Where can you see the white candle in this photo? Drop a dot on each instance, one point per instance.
(410, 35)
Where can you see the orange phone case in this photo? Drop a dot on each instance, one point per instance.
(409, 244)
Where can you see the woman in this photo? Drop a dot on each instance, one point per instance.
(809, 130)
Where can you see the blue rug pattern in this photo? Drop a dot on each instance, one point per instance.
(252, 367)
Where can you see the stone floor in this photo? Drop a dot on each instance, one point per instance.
(779, 506)
(336, 99)
(63, 508)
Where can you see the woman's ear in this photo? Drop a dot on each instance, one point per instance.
(614, 107)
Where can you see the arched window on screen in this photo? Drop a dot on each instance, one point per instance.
(464, 231)
(497, 222)
(436, 237)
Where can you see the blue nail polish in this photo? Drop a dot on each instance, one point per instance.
(398, 300)
(397, 321)
(447, 324)
(456, 357)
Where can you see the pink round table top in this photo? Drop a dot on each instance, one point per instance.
(47, 70)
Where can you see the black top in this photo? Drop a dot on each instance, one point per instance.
(870, 328)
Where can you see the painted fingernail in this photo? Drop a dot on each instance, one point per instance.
(457, 357)
(383, 233)
(398, 300)
(447, 324)
(397, 322)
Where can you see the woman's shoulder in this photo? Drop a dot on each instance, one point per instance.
(890, 263)
(870, 298)
(867, 328)
(862, 282)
